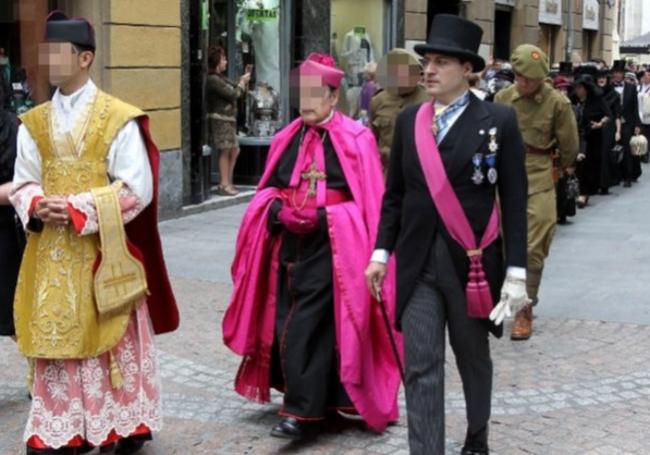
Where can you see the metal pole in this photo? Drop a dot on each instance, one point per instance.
(569, 41)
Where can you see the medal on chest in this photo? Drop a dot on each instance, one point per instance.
(488, 159)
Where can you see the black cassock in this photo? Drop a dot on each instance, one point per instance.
(11, 241)
(305, 360)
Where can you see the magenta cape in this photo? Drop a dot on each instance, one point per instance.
(367, 368)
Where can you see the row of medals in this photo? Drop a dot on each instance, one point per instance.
(490, 160)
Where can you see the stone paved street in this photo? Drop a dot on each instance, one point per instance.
(580, 386)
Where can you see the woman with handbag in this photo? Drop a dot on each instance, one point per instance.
(11, 235)
(595, 116)
(613, 152)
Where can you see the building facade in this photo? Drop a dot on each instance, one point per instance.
(565, 29)
(152, 53)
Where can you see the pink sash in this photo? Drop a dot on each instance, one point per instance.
(477, 292)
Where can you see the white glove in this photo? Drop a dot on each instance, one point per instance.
(513, 299)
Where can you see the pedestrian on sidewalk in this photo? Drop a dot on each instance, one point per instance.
(300, 314)
(86, 178)
(630, 167)
(595, 118)
(644, 107)
(449, 160)
(11, 235)
(221, 104)
(548, 124)
(609, 172)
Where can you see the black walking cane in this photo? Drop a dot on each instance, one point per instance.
(389, 330)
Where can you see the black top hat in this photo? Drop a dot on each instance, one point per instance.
(566, 68)
(587, 69)
(61, 29)
(455, 36)
(619, 65)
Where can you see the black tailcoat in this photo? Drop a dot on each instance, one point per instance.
(409, 219)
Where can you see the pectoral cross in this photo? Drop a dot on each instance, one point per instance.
(314, 175)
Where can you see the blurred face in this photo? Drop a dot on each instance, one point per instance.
(223, 64)
(602, 81)
(64, 62)
(618, 76)
(399, 75)
(315, 100)
(526, 86)
(581, 92)
(645, 80)
(445, 75)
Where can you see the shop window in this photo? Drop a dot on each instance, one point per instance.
(502, 27)
(21, 30)
(589, 43)
(252, 44)
(358, 38)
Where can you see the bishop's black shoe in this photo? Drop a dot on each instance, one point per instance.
(288, 428)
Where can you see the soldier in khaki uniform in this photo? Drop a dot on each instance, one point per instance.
(547, 122)
(398, 73)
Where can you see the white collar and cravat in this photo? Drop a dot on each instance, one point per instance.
(68, 107)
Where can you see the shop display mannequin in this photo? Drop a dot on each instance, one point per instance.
(263, 111)
(357, 52)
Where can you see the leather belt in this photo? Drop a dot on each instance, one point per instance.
(538, 151)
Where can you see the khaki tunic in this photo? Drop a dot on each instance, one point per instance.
(546, 121)
(384, 108)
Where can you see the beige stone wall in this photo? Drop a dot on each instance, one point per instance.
(525, 26)
(139, 58)
(415, 20)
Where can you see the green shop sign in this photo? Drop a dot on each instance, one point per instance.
(254, 14)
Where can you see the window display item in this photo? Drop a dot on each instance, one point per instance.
(263, 111)
(357, 52)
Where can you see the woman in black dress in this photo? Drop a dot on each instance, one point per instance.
(594, 116)
(10, 233)
(611, 132)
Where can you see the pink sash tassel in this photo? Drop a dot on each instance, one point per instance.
(477, 291)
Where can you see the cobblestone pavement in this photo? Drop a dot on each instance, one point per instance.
(581, 385)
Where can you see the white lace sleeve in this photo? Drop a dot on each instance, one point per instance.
(27, 175)
(128, 162)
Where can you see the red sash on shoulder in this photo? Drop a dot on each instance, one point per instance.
(477, 292)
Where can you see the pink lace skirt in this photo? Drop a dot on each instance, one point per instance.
(74, 399)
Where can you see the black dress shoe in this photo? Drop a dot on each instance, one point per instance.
(132, 444)
(467, 451)
(288, 428)
(476, 443)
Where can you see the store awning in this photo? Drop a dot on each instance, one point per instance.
(638, 45)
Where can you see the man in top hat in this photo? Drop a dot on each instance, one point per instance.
(398, 73)
(449, 161)
(547, 122)
(300, 314)
(630, 122)
(86, 178)
(566, 69)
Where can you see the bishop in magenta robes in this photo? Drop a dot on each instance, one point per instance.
(300, 315)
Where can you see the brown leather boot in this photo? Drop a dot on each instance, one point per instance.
(522, 326)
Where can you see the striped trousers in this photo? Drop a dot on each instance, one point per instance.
(438, 301)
